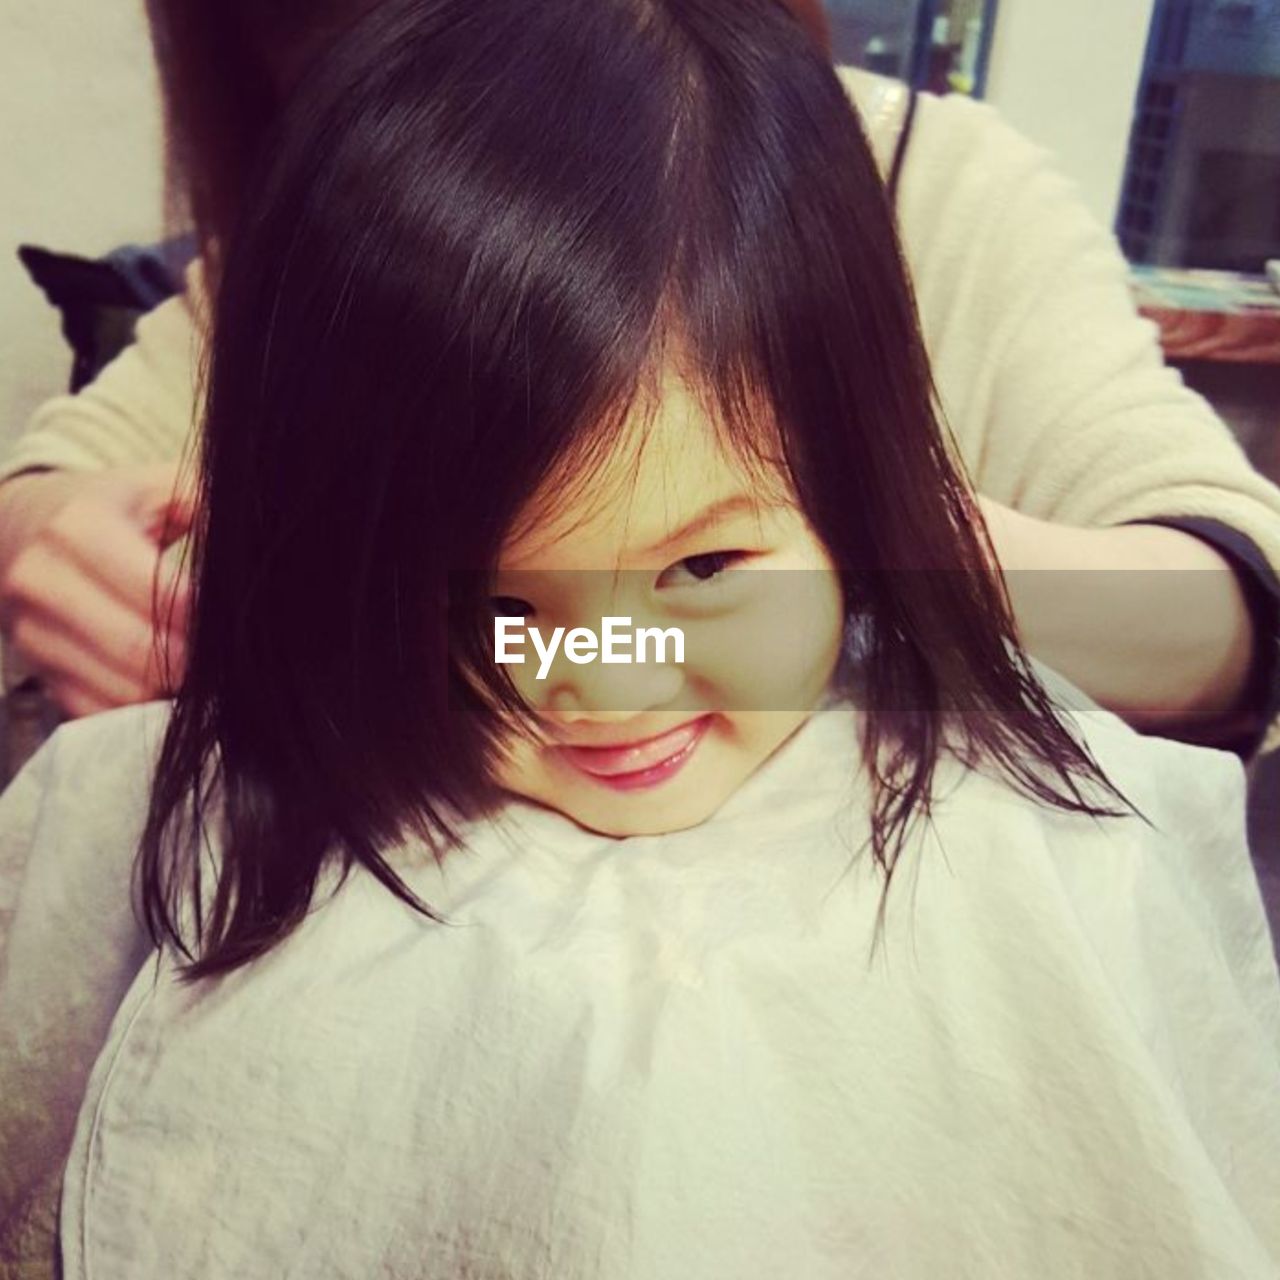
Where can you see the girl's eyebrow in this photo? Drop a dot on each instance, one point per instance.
(735, 504)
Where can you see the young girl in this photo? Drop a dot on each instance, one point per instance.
(837, 947)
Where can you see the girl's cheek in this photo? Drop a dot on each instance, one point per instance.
(774, 650)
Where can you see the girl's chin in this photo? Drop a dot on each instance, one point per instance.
(677, 806)
(643, 824)
(620, 814)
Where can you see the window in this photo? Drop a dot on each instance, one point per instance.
(1202, 183)
(940, 45)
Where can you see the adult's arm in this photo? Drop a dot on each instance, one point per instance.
(1165, 626)
(1064, 413)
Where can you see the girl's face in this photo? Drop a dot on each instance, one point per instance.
(674, 535)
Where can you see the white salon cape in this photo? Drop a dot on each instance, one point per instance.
(680, 1058)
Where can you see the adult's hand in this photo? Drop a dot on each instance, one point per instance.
(85, 598)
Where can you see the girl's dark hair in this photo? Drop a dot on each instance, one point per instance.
(481, 225)
(226, 67)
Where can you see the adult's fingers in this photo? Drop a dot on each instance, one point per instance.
(70, 622)
(161, 500)
(88, 596)
(75, 699)
(107, 548)
(61, 660)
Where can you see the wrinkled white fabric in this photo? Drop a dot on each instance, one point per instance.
(677, 1057)
(69, 942)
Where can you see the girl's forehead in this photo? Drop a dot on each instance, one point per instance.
(671, 466)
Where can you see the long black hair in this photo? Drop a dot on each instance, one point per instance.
(226, 67)
(478, 224)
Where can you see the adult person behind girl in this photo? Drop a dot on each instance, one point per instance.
(551, 356)
(1088, 453)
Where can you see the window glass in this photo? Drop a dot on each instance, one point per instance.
(1202, 182)
(940, 45)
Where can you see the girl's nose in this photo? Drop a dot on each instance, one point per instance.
(608, 693)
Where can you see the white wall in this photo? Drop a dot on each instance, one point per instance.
(1065, 72)
(80, 166)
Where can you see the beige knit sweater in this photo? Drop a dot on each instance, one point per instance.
(1055, 389)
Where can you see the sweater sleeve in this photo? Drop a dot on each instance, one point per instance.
(141, 408)
(1054, 387)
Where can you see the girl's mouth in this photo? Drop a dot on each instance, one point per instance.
(632, 766)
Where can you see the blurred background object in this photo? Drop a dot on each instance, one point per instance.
(81, 168)
(1202, 186)
(1063, 74)
(1199, 209)
(939, 45)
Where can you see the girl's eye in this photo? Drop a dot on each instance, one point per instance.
(510, 607)
(699, 568)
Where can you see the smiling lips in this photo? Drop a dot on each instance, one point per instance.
(634, 765)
